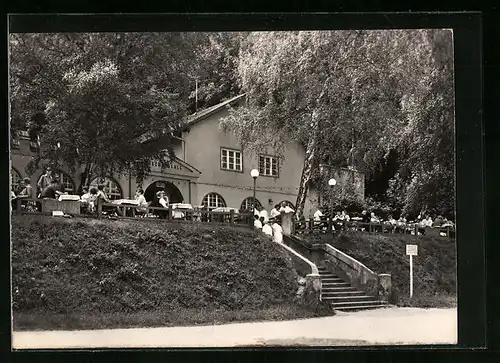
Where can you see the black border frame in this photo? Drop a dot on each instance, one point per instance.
(469, 129)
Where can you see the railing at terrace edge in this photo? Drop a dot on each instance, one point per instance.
(330, 225)
(46, 206)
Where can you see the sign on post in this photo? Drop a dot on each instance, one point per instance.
(411, 250)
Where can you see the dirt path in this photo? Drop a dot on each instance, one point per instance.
(376, 327)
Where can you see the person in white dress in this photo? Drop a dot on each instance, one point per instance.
(257, 223)
(274, 212)
(265, 214)
(266, 228)
(277, 232)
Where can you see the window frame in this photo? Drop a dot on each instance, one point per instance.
(261, 172)
(106, 187)
(61, 174)
(234, 150)
(258, 204)
(208, 201)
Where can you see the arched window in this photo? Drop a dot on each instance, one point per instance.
(213, 200)
(66, 181)
(15, 180)
(288, 204)
(249, 204)
(111, 187)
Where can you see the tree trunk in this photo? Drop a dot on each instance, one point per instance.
(309, 164)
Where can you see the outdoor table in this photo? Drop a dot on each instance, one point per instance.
(65, 206)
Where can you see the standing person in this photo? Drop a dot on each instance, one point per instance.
(277, 232)
(257, 223)
(44, 180)
(265, 214)
(274, 211)
(266, 228)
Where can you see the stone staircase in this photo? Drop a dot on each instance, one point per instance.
(343, 296)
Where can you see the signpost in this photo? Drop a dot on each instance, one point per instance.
(411, 250)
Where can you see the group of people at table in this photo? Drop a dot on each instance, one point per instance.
(320, 220)
(270, 223)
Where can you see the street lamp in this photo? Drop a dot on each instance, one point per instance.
(254, 173)
(332, 182)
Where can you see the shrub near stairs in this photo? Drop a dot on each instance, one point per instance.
(434, 269)
(80, 266)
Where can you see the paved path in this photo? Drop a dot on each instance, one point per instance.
(382, 326)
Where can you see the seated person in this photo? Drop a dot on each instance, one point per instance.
(345, 216)
(51, 191)
(257, 223)
(438, 222)
(317, 215)
(92, 200)
(161, 201)
(266, 228)
(143, 204)
(365, 217)
(27, 191)
(103, 198)
(374, 218)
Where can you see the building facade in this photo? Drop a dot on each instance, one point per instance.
(210, 169)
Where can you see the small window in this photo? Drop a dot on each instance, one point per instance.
(249, 204)
(230, 160)
(213, 200)
(268, 165)
(111, 187)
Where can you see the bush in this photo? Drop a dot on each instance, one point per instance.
(91, 267)
(434, 269)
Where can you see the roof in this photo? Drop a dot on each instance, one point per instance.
(199, 116)
(191, 120)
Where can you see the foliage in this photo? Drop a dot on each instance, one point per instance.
(94, 94)
(435, 276)
(376, 91)
(216, 68)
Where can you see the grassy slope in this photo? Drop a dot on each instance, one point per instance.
(86, 274)
(434, 268)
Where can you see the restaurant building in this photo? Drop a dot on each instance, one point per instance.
(210, 168)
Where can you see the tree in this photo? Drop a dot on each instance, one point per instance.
(94, 94)
(216, 72)
(327, 91)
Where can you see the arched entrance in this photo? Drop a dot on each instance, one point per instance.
(173, 193)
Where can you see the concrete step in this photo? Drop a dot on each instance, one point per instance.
(347, 304)
(328, 275)
(335, 284)
(338, 289)
(331, 279)
(350, 299)
(365, 307)
(341, 293)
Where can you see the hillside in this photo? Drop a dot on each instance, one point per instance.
(434, 269)
(82, 273)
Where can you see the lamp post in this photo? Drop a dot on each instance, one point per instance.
(254, 173)
(331, 183)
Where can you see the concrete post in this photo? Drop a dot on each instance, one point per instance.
(287, 223)
(384, 286)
